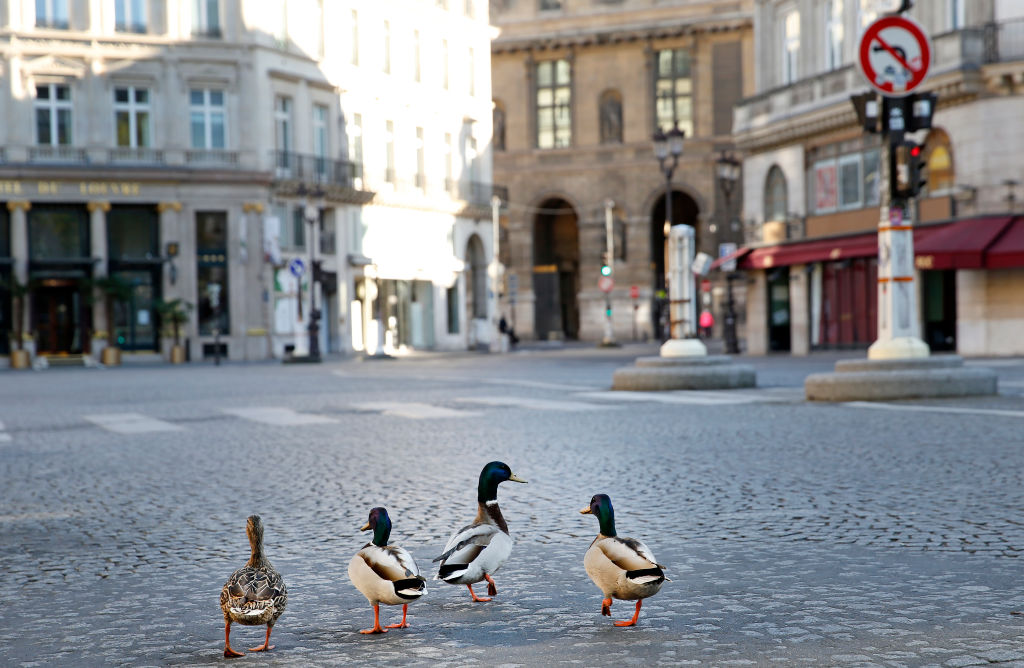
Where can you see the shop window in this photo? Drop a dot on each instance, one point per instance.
(776, 196)
(554, 100)
(673, 91)
(849, 182)
(212, 272)
(56, 233)
(826, 195)
(133, 232)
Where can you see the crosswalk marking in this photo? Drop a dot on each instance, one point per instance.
(533, 404)
(412, 410)
(934, 409)
(130, 423)
(280, 417)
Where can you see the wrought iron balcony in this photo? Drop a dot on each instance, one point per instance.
(289, 165)
(58, 154)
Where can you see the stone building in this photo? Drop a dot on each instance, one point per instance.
(225, 151)
(811, 180)
(579, 90)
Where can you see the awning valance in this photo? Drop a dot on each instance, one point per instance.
(1008, 250)
(960, 245)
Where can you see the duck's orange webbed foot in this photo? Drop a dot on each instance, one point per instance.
(606, 607)
(636, 615)
(476, 599)
(402, 624)
(376, 622)
(492, 589)
(266, 646)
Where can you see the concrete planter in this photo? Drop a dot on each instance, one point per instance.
(111, 356)
(20, 359)
(177, 354)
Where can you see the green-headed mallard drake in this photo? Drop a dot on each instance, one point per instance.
(254, 594)
(385, 573)
(477, 551)
(622, 568)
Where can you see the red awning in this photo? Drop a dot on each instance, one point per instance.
(826, 250)
(1008, 250)
(961, 245)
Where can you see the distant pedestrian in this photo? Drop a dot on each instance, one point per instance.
(508, 331)
(707, 322)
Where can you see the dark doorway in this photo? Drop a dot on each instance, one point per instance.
(684, 212)
(556, 260)
(58, 316)
(778, 310)
(938, 294)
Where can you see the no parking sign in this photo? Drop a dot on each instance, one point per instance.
(894, 55)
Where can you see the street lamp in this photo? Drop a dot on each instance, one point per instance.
(667, 149)
(311, 215)
(728, 170)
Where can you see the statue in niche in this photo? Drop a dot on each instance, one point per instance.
(499, 128)
(611, 119)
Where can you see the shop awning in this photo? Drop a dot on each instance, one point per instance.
(1008, 250)
(960, 245)
(816, 250)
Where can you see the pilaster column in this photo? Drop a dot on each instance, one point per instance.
(19, 237)
(102, 322)
(174, 283)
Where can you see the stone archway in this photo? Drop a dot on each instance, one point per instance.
(685, 211)
(556, 261)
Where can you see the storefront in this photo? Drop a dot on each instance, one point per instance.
(133, 249)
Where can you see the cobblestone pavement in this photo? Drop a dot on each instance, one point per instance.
(794, 533)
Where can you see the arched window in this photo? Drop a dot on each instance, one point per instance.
(610, 109)
(939, 156)
(775, 196)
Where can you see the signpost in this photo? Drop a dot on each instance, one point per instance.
(894, 55)
(605, 284)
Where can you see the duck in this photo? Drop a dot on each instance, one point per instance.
(622, 568)
(477, 551)
(385, 573)
(254, 594)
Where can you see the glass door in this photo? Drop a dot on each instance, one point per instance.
(135, 320)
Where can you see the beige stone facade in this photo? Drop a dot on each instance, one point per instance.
(558, 195)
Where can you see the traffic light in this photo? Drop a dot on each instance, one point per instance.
(606, 267)
(908, 170)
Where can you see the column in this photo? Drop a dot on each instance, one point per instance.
(20, 251)
(682, 305)
(171, 287)
(102, 322)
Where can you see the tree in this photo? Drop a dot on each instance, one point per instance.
(173, 314)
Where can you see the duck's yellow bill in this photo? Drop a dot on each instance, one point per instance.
(365, 527)
(515, 478)
(585, 511)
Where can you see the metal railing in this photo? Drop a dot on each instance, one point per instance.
(136, 156)
(65, 154)
(1005, 41)
(290, 165)
(211, 158)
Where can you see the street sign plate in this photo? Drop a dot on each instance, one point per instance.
(725, 249)
(605, 283)
(634, 292)
(705, 285)
(894, 55)
(297, 267)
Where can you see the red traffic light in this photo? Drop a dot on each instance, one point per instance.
(915, 151)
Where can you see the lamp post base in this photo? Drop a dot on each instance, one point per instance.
(904, 347)
(683, 348)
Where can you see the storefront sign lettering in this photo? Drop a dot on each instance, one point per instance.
(29, 188)
(108, 188)
(10, 188)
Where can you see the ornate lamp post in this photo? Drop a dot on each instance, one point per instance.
(311, 214)
(728, 170)
(667, 149)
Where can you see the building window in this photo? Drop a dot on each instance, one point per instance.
(328, 234)
(872, 178)
(212, 271)
(956, 14)
(498, 126)
(776, 196)
(389, 152)
(554, 98)
(354, 20)
(283, 124)
(673, 90)
(131, 116)
(939, 157)
(53, 115)
(207, 118)
(866, 13)
(449, 181)
(320, 140)
(206, 18)
(130, 16)
(298, 228)
(470, 168)
(826, 195)
(790, 46)
(52, 14)
(452, 299)
(833, 34)
(386, 45)
(850, 182)
(470, 9)
(421, 164)
(444, 63)
(417, 74)
(355, 139)
(610, 112)
(550, 5)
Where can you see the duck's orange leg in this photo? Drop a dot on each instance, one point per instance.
(376, 622)
(403, 624)
(266, 646)
(476, 599)
(492, 589)
(228, 652)
(606, 607)
(636, 615)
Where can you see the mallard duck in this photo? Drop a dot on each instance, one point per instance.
(254, 594)
(385, 573)
(622, 568)
(477, 551)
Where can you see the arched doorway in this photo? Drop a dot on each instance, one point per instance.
(556, 261)
(684, 212)
(476, 288)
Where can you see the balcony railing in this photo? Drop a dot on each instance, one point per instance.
(62, 154)
(135, 156)
(211, 158)
(289, 165)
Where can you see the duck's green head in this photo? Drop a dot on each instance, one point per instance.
(380, 524)
(492, 475)
(601, 506)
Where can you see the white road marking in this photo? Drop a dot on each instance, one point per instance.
(534, 404)
(279, 417)
(5, 438)
(412, 410)
(473, 379)
(934, 409)
(131, 423)
(699, 398)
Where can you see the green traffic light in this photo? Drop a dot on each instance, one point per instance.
(606, 270)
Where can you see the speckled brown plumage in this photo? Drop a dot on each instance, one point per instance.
(254, 594)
